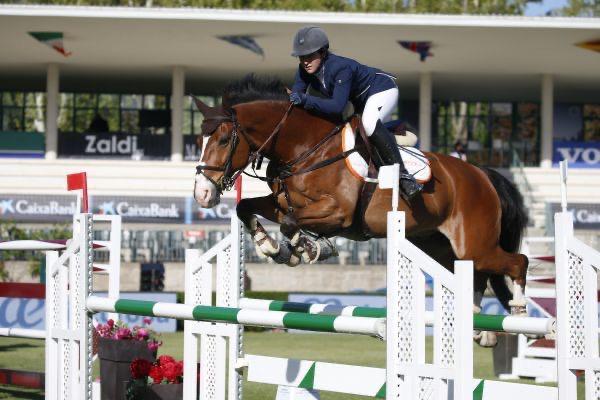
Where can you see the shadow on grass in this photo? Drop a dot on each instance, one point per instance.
(15, 392)
(18, 346)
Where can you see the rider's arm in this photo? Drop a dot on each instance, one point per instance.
(341, 94)
(299, 84)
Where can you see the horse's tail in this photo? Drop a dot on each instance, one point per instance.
(512, 225)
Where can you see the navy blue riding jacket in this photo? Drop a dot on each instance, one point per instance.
(341, 80)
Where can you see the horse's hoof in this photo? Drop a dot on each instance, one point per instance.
(294, 261)
(259, 251)
(312, 251)
(518, 310)
(267, 246)
(485, 338)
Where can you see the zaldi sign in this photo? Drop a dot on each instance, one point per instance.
(114, 145)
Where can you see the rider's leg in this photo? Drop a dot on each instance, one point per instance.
(378, 109)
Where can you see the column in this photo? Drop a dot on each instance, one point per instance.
(177, 92)
(425, 111)
(547, 116)
(52, 103)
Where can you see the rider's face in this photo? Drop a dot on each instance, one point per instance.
(311, 62)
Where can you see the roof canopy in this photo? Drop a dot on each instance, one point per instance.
(134, 49)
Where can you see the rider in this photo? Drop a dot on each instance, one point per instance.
(341, 79)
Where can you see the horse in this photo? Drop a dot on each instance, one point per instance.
(463, 213)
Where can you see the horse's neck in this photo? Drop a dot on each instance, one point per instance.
(302, 133)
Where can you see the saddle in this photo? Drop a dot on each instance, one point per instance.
(357, 162)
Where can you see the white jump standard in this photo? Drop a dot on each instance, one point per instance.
(213, 334)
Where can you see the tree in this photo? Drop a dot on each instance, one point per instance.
(511, 7)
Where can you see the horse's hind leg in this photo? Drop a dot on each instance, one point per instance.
(500, 262)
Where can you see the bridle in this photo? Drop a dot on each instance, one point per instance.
(229, 174)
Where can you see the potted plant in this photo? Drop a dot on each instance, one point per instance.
(118, 346)
(161, 380)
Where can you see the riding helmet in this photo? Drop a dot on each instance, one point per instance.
(308, 40)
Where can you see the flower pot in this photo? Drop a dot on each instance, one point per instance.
(115, 357)
(171, 391)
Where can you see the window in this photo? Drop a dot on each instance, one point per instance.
(102, 112)
(192, 118)
(591, 122)
(22, 111)
(496, 134)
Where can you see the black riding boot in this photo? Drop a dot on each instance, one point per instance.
(387, 148)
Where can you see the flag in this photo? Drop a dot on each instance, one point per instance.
(593, 45)
(53, 40)
(421, 48)
(244, 41)
(79, 182)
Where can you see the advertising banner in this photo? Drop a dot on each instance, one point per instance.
(192, 147)
(30, 313)
(578, 154)
(141, 209)
(162, 210)
(585, 215)
(221, 213)
(114, 145)
(37, 208)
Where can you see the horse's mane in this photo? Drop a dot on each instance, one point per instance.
(253, 87)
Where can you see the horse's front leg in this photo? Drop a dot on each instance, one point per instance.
(247, 211)
(323, 217)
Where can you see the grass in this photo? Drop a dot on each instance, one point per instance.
(28, 354)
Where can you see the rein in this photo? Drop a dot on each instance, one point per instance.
(284, 171)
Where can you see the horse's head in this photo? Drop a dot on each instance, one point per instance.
(224, 157)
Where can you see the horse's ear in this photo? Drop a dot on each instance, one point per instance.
(202, 107)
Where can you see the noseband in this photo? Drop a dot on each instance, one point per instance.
(229, 174)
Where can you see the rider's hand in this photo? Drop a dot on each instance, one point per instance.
(297, 99)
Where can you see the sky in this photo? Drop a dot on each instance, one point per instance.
(541, 8)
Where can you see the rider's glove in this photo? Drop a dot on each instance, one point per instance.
(297, 99)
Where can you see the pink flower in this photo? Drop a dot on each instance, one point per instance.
(142, 334)
(147, 320)
(110, 323)
(123, 333)
(154, 345)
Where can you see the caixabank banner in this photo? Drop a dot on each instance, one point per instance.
(37, 208)
(586, 216)
(142, 209)
(139, 209)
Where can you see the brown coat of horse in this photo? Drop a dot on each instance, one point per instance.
(459, 214)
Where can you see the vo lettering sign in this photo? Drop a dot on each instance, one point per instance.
(577, 154)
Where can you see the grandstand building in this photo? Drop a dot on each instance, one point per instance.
(103, 90)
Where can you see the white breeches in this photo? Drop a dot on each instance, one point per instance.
(380, 106)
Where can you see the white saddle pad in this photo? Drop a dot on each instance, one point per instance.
(414, 160)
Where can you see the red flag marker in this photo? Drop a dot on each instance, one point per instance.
(238, 189)
(79, 182)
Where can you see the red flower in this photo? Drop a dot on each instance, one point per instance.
(164, 359)
(156, 373)
(172, 371)
(140, 368)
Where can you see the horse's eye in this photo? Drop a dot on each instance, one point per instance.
(224, 141)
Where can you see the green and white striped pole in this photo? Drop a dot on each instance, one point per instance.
(484, 322)
(271, 319)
